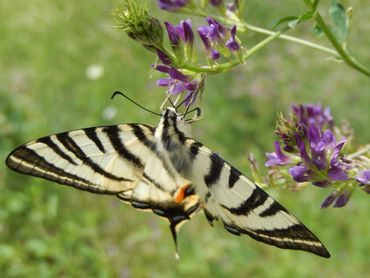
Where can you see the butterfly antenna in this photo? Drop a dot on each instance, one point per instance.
(134, 102)
(173, 105)
(185, 100)
(197, 109)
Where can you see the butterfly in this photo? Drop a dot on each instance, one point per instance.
(164, 170)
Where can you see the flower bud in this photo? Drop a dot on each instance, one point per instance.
(139, 25)
(288, 130)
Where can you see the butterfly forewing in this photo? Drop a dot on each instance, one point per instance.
(86, 159)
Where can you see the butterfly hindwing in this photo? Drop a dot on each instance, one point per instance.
(243, 207)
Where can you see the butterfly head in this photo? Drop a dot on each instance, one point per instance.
(172, 120)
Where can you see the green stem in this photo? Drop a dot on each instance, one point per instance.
(292, 39)
(219, 68)
(341, 51)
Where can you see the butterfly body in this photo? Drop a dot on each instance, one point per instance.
(164, 170)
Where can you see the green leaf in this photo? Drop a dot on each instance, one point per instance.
(293, 21)
(339, 18)
(284, 20)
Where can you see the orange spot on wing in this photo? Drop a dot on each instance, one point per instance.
(180, 194)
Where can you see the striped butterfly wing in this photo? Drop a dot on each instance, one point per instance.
(118, 160)
(91, 159)
(243, 207)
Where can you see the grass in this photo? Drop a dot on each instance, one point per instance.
(48, 230)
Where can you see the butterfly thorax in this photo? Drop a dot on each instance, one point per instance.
(170, 136)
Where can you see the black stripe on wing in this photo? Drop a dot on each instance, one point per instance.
(73, 147)
(27, 161)
(256, 199)
(273, 209)
(48, 142)
(194, 149)
(234, 176)
(152, 181)
(92, 135)
(215, 169)
(142, 137)
(116, 141)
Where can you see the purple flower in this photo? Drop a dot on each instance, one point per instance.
(172, 35)
(343, 198)
(313, 114)
(330, 199)
(232, 44)
(299, 173)
(215, 31)
(324, 156)
(172, 5)
(181, 33)
(216, 37)
(277, 157)
(363, 177)
(215, 54)
(337, 174)
(302, 149)
(185, 31)
(317, 146)
(163, 57)
(339, 197)
(175, 74)
(178, 83)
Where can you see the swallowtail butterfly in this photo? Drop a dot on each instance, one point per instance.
(163, 170)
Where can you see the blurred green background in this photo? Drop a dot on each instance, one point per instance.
(59, 63)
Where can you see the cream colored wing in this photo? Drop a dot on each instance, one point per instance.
(243, 207)
(120, 160)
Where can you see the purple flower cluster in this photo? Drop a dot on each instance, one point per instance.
(216, 37)
(181, 38)
(313, 154)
